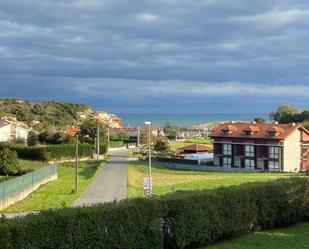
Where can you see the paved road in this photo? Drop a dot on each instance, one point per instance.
(110, 184)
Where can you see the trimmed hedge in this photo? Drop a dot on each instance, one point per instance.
(175, 160)
(49, 152)
(180, 220)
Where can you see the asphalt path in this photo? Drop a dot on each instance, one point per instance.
(110, 184)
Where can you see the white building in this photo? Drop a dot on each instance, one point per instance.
(10, 131)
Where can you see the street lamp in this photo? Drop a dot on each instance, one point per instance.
(149, 154)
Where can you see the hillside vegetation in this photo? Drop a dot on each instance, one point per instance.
(50, 113)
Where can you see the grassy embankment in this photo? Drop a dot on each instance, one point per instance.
(166, 180)
(59, 193)
(287, 238)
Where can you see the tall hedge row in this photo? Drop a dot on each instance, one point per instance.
(52, 152)
(180, 220)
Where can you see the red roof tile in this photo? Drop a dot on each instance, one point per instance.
(265, 131)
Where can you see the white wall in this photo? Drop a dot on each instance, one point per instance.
(5, 133)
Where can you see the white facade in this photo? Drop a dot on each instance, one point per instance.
(5, 133)
(10, 131)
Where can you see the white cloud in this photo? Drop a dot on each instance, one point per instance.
(146, 17)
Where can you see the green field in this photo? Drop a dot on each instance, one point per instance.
(199, 141)
(175, 145)
(59, 193)
(166, 180)
(295, 237)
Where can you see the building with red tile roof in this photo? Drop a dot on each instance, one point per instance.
(272, 147)
(72, 131)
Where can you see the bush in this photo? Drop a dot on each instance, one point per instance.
(133, 224)
(201, 217)
(8, 162)
(179, 220)
(52, 152)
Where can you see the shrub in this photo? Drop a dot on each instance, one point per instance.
(179, 220)
(8, 162)
(202, 217)
(51, 152)
(134, 224)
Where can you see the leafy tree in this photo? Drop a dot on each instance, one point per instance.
(260, 120)
(8, 162)
(284, 114)
(89, 130)
(33, 138)
(162, 146)
(170, 130)
(306, 124)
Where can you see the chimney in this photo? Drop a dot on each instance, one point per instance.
(275, 123)
(293, 124)
(253, 122)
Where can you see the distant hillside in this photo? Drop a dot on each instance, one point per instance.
(39, 115)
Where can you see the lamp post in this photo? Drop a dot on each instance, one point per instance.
(149, 155)
(76, 163)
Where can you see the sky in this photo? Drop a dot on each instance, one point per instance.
(162, 56)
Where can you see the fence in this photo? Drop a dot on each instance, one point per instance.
(16, 189)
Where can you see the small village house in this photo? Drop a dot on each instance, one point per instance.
(10, 131)
(193, 149)
(269, 147)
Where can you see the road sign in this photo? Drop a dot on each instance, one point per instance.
(147, 186)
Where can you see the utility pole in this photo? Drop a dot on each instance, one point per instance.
(76, 164)
(107, 138)
(98, 142)
(138, 138)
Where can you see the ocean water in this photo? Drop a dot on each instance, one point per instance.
(184, 120)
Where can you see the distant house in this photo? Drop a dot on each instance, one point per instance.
(10, 131)
(109, 119)
(271, 147)
(72, 131)
(193, 149)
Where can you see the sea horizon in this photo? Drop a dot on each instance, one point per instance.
(185, 119)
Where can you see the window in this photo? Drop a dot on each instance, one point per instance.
(227, 162)
(273, 166)
(274, 152)
(249, 164)
(249, 151)
(227, 149)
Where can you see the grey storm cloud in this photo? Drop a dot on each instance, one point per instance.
(97, 50)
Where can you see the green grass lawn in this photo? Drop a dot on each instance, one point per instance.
(295, 237)
(199, 141)
(29, 164)
(167, 180)
(175, 145)
(59, 193)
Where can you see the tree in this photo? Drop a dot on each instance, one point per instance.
(33, 138)
(89, 128)
(306, 124)
(260, 120)
(8, 162)
(170, 130)
(162, 146)
(284, 114)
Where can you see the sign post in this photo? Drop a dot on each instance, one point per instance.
(147, 187)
